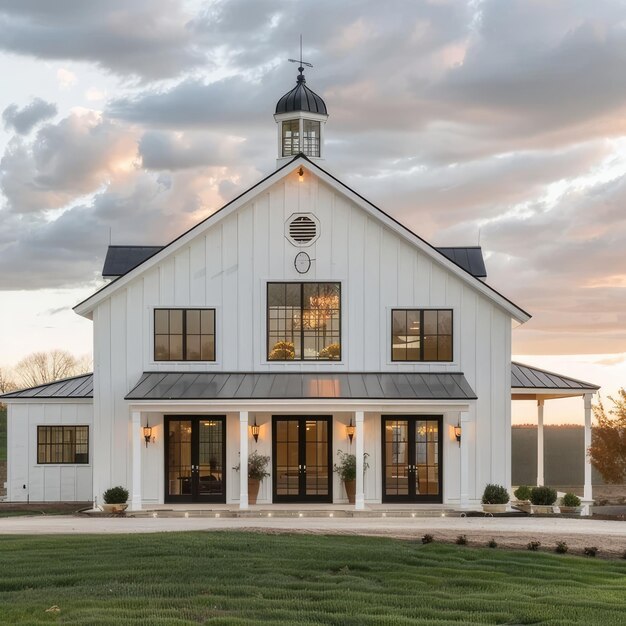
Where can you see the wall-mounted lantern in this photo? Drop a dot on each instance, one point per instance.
(350, 430)
(457, 434)
(255, 429)
(147, 433)
(301, 174)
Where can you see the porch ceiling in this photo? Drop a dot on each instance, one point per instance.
(301, 386)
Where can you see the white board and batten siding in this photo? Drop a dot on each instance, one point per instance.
(227, 266)
(29, 481)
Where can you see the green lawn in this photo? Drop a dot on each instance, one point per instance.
(246, 578)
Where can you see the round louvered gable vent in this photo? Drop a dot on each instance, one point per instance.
(302, 229)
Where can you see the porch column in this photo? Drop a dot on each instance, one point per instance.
(588, 490)
(243, 459)
(540, 476)
(135, 503)
(464, 421)
(359, 497)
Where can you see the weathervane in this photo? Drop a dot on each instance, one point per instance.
(301, 62)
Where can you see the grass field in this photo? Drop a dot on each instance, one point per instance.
(249, 578)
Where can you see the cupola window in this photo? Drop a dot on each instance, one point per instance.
(291, 137)
(311, 137)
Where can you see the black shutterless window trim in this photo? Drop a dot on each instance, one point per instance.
(421, 336)
(48, 445)
(184, 334)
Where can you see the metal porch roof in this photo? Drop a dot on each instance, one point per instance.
(527, 377)
(75, 387)
(301, 386)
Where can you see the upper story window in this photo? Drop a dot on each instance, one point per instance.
(311, 138)
(421, 335)
(62, 444)
(291, 137)
(303, 321)
(184, 334)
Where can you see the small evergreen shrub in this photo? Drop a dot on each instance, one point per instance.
(590, 551)
(427, 538)
(561, 547)
(533, 546)
(461, 540)
(492, 543)
(522, 493)
(543, 496)
(115, 495)
(570, 499)
(495, 494)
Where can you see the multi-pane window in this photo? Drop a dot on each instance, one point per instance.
(311, 138)
(421, 335)
(291, 137)
(62, 444)
(303, 321)
(184, 334)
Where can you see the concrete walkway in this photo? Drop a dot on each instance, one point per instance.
(397, 527)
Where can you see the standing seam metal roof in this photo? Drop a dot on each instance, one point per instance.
(527, 377)
(74, 387)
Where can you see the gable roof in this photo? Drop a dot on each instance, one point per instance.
(74, 387)
(86, 306)
(121, 259)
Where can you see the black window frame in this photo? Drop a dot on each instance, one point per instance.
(184, 335)
(63, 427)
(422, 335)
(267, 321)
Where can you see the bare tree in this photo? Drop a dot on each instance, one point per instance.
(6, 381)
(39, 368)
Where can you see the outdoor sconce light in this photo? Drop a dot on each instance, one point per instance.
(301, 174)
(457, 434)
(350, 430)
(147, 433)
(255, 429)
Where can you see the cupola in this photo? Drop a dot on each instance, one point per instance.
(300, 116)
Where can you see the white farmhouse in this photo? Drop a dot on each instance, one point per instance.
(298, 320)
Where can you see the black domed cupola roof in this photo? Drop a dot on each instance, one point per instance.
(301, 98)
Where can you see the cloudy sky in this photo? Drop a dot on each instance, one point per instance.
(130, 120)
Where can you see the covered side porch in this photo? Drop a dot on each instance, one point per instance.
(191, 432)
(532, 384)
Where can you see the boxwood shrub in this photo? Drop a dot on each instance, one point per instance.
(495, 494)
(543, 496)
(522, 492)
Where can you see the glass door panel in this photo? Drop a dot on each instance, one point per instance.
(287, 457)
(210, 458)
(179, 458)
(317, 468)
(396, 457)
(426, 458)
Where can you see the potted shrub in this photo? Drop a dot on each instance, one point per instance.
(543, 499)
(346, 468)
(495, 498)
(522, 495)
(570, 504)
(257, 471)
(115, 500)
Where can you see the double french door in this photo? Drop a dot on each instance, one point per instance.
(301, 459)
(195, 459)
(412, 455)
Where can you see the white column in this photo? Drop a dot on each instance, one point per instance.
(540, 455)
(136, 438)
(588, 491)
(359, 498)
(464, 421)
(243, 459)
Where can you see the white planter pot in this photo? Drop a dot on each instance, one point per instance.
(571, 510)
(543, 509)
(522, 505)
(495, 508)
(114, 508)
